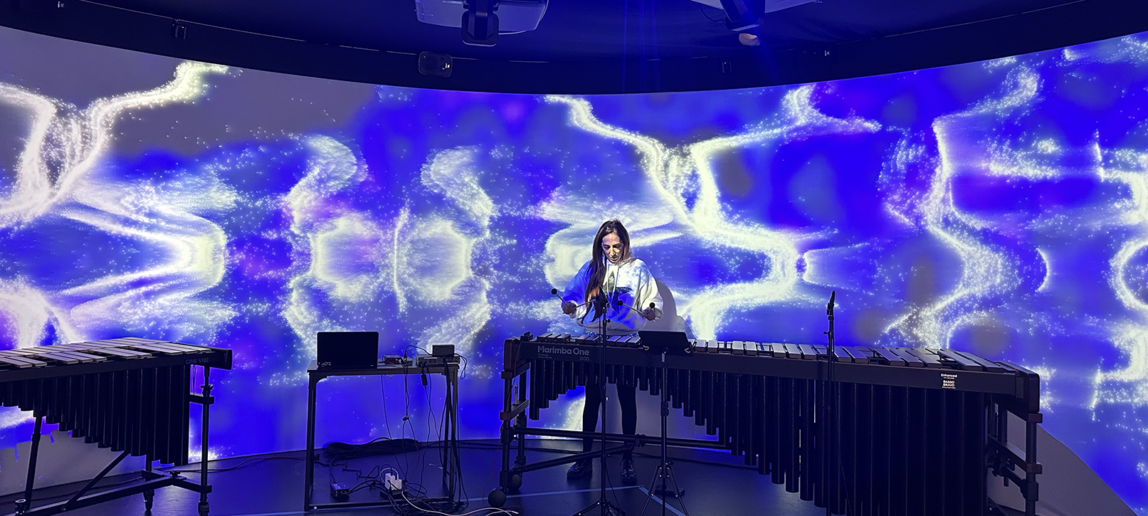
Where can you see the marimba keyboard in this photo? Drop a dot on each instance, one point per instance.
(916, 425)
(129, 394)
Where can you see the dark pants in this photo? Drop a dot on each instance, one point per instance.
(594, 400)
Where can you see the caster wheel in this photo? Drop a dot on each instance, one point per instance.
(496, 498)
(202, 508)
(149, 498)
(515, 482)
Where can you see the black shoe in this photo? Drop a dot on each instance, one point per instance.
(629, 476)
(580, 469)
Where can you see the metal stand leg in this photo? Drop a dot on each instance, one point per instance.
(24, 503)
(520, 423)
(445, 455)
(607, 508)
(453, 434)
(203, 454)
(665, 472)
(149, 496)
(831, 432)
(663, 490)
(1031, 489)
(92, 483)
(665, 469)
(309, 460)
(678, 492)
(497, 497)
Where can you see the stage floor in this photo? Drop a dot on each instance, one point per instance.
(715, 483)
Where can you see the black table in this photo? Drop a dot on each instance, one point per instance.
(447, 368)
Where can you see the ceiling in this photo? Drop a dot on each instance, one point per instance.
(584, 46)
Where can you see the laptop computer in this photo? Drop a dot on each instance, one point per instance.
(348, 349)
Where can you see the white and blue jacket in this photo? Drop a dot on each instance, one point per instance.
(629, 282)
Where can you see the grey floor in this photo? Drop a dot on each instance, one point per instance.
(714, 483)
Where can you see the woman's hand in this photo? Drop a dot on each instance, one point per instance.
(569, 307)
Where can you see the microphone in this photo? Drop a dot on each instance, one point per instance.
(829, 307)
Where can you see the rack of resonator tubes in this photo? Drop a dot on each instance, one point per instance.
(917, 429)
(131, 395)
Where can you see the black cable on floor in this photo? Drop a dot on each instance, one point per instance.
(337, 451)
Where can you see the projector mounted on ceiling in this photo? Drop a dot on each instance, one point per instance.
(482, 21)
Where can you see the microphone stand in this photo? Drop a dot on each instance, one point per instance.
(831, 433)
(608, 509)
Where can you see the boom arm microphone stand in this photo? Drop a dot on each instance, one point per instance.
(831, 433)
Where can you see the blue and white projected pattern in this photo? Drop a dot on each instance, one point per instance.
(997, 207)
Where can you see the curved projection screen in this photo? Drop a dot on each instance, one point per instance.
(997, 207)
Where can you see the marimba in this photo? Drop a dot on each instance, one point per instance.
(128, 394)
(917, 431)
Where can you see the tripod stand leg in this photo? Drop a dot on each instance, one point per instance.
(663, 474)
(664, 490)
(678, 493)
(608, 509)
(650, 492)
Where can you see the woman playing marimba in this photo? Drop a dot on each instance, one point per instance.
(613, 285)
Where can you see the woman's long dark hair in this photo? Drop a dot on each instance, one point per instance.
(597, 274)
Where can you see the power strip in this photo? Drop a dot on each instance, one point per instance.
(393, 483)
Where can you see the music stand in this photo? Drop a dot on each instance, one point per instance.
(665, 343)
